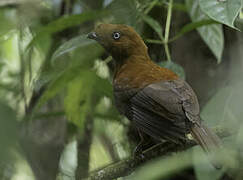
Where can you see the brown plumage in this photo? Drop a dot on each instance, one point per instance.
(154, 99)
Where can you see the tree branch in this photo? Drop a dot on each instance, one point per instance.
(84, 144)
(127, 166)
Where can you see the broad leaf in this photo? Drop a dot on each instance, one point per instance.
(80, 84)
(176, 68)
(66, 22)
(78, 101)
(81, 93)
(204, 170)
(191, 26)
(165, 167)
(57, 85)
(224, 11)
(103, 87)
(65, 69)
(84, 48)
(124, 11)
(225, 107)
(155, 25)
(211, 34)
(79, 41)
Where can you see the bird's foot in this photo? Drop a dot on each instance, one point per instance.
(138, 151)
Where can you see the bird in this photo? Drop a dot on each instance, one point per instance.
(156, 100)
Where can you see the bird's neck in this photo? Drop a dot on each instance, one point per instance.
(140, 71)
(131, 64)
(133, 60)
(127, 54)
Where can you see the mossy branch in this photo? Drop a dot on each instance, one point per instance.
(127, 166)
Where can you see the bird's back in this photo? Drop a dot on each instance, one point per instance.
(133, 76)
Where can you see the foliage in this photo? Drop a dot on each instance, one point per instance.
(212, 35)
(41, 63)
(222, 11)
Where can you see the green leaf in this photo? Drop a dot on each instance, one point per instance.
(8, 130)
(124, 11)
(80, 84)
(78, 101)
(225, 107)
(104, 87)
(224, 11)
(7, 20)
(57, 85)
(204, 170)
(64, 70)
(211, 34)
(71, 45)
(165, 167)
(66, 22)
(81, 91)
(84, 45)
(176, 6)
(191, 26)
(154, 25)
(176, 68)
(180, 7)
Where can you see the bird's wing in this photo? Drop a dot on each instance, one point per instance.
(165, 109)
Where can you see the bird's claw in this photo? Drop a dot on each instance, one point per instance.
(138, 152)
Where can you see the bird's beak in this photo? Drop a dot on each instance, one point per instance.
(92, 35)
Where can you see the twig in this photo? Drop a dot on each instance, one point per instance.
(127, 166)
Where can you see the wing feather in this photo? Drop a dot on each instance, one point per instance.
(161, 110)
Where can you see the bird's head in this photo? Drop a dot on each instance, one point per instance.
(121, 41)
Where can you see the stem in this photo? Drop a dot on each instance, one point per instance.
(168, 21)
(154, 41)
(22, 67)
(167, 29)
(151, 5)
(167, 52)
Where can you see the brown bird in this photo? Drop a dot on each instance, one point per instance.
(153, 98)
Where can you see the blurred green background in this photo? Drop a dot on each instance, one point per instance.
(57, 116)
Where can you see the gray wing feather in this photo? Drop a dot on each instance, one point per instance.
(164, 109)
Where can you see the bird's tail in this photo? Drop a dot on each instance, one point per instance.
(208, 140)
